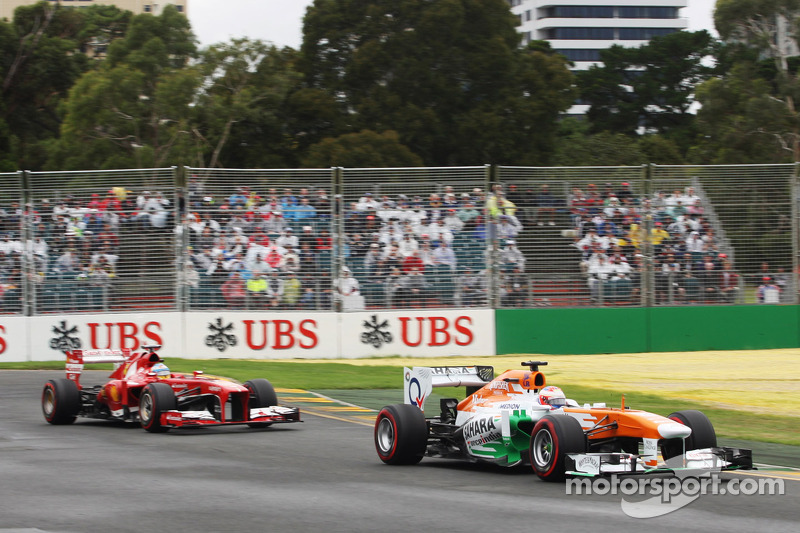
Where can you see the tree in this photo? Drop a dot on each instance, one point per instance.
(39, 62)
(768, 26)
(243, 95)
(361, 150)
(447, 76)
(135, 109)
(649, 88)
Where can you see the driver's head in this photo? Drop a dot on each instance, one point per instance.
(161, 370)
(552, 396)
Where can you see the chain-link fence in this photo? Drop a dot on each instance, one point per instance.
(258, 239)
(100, 241)
(414, 237)
(348, 239)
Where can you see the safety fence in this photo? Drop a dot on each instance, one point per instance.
(397, 238)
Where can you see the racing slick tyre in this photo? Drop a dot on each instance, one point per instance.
(262, 394)
(61, 401)
(553, 437)
(703, 434)
(401, 434)
(156, 398)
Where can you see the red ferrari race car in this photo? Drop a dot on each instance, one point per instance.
(142, 389)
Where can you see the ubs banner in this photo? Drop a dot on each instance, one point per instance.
(427, 333)
(50, 336)
(244, 335)
(261, 335)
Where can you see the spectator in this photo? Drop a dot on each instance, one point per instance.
(412, 262)
(257, 290)
(768, 292)
(599, 274)
(292, 291)
(291, 260)
(708, 274)
(452, 222)
(275, 290)
(546, 205)
(408, 245)
(511, 256)
(728, 283)
(443, 255)
(508, 227)
(347, 290)
(472, 288)
(516, 289)
(233, 290)
(412, 289)
(468, 215)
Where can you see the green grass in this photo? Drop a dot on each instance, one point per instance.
(728, 423)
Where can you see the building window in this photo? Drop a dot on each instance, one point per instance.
(651, 12)
(179, 8)
(580, 54)
(147, 8)
(643, 34)
(580, 12)
(581, 33)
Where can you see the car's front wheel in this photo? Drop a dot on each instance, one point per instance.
(553, 438)
(262, 394)
(401, 434)
(156, 398)
(61, 401)
(702, 436)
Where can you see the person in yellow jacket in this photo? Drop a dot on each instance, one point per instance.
(497, 204)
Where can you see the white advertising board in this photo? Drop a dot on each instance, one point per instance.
(50, 335)
(423, 333)
(13, 339)
(255, 335)
(260, 335)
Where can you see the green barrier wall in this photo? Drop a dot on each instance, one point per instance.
(663, 329)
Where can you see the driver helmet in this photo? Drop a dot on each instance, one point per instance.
(552, 396)
(161, 370)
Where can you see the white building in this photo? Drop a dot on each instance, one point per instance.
(579, 29)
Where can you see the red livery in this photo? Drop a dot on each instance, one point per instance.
(143, 389)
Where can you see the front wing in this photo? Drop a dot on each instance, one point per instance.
(261, 415)
(707, 459)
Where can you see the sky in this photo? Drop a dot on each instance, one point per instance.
(281, 21)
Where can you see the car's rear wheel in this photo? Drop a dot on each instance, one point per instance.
(553, 438)
(156, 398)
(703, 434)
(401, 434)
(262, 394)
(61, 401)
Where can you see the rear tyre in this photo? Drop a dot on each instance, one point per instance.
(61, 401)
(156, 398)
(262, 394)
(401, 434)
(703, 434)
(555, 436)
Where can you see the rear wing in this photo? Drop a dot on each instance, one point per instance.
(76, 359)
(419, 381)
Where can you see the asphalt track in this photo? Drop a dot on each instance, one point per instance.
(322, 475)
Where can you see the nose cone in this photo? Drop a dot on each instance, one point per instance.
(673, 430)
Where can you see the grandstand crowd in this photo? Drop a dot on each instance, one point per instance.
(274, 248)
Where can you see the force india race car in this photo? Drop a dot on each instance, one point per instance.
(515, 418)
(142, 389)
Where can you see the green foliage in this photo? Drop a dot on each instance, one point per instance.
(648, 88)
(447, 76)
(361, 150)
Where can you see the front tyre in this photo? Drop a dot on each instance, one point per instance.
(401, 434)
(61, 401)
(553, 438)
(262, 394)
(156, 398)
(703, 434)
